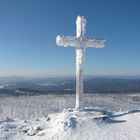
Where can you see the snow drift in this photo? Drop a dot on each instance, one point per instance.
(92, 123)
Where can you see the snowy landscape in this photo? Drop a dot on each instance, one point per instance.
(69, 70)
(110, 116)
(43, 109)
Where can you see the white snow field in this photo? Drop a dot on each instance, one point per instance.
(43, 117)
(34, 107)
(90, 124)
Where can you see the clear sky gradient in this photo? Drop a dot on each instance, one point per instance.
(28, 30)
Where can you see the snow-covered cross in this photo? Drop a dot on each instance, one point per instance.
(80, 43)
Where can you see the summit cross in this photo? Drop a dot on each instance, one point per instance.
(80, 43)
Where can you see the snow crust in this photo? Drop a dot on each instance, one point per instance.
(91, 123)
(81, 26)
(79, 42)
(33, 107)
(80, 58)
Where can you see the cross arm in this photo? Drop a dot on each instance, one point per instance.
(67, 41)
(94, 43)
(79, 42)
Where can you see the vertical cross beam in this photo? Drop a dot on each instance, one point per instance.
(80, 58)
(81, 27)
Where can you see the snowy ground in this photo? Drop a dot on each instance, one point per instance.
(33, 107)
(89, 124)
(27, 118)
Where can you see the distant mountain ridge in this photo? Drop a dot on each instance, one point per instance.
(33, 86)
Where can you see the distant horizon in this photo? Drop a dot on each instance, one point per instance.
(70, 76)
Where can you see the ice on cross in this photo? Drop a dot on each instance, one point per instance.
(80, 43)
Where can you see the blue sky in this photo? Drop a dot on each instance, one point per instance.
(28, 29)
